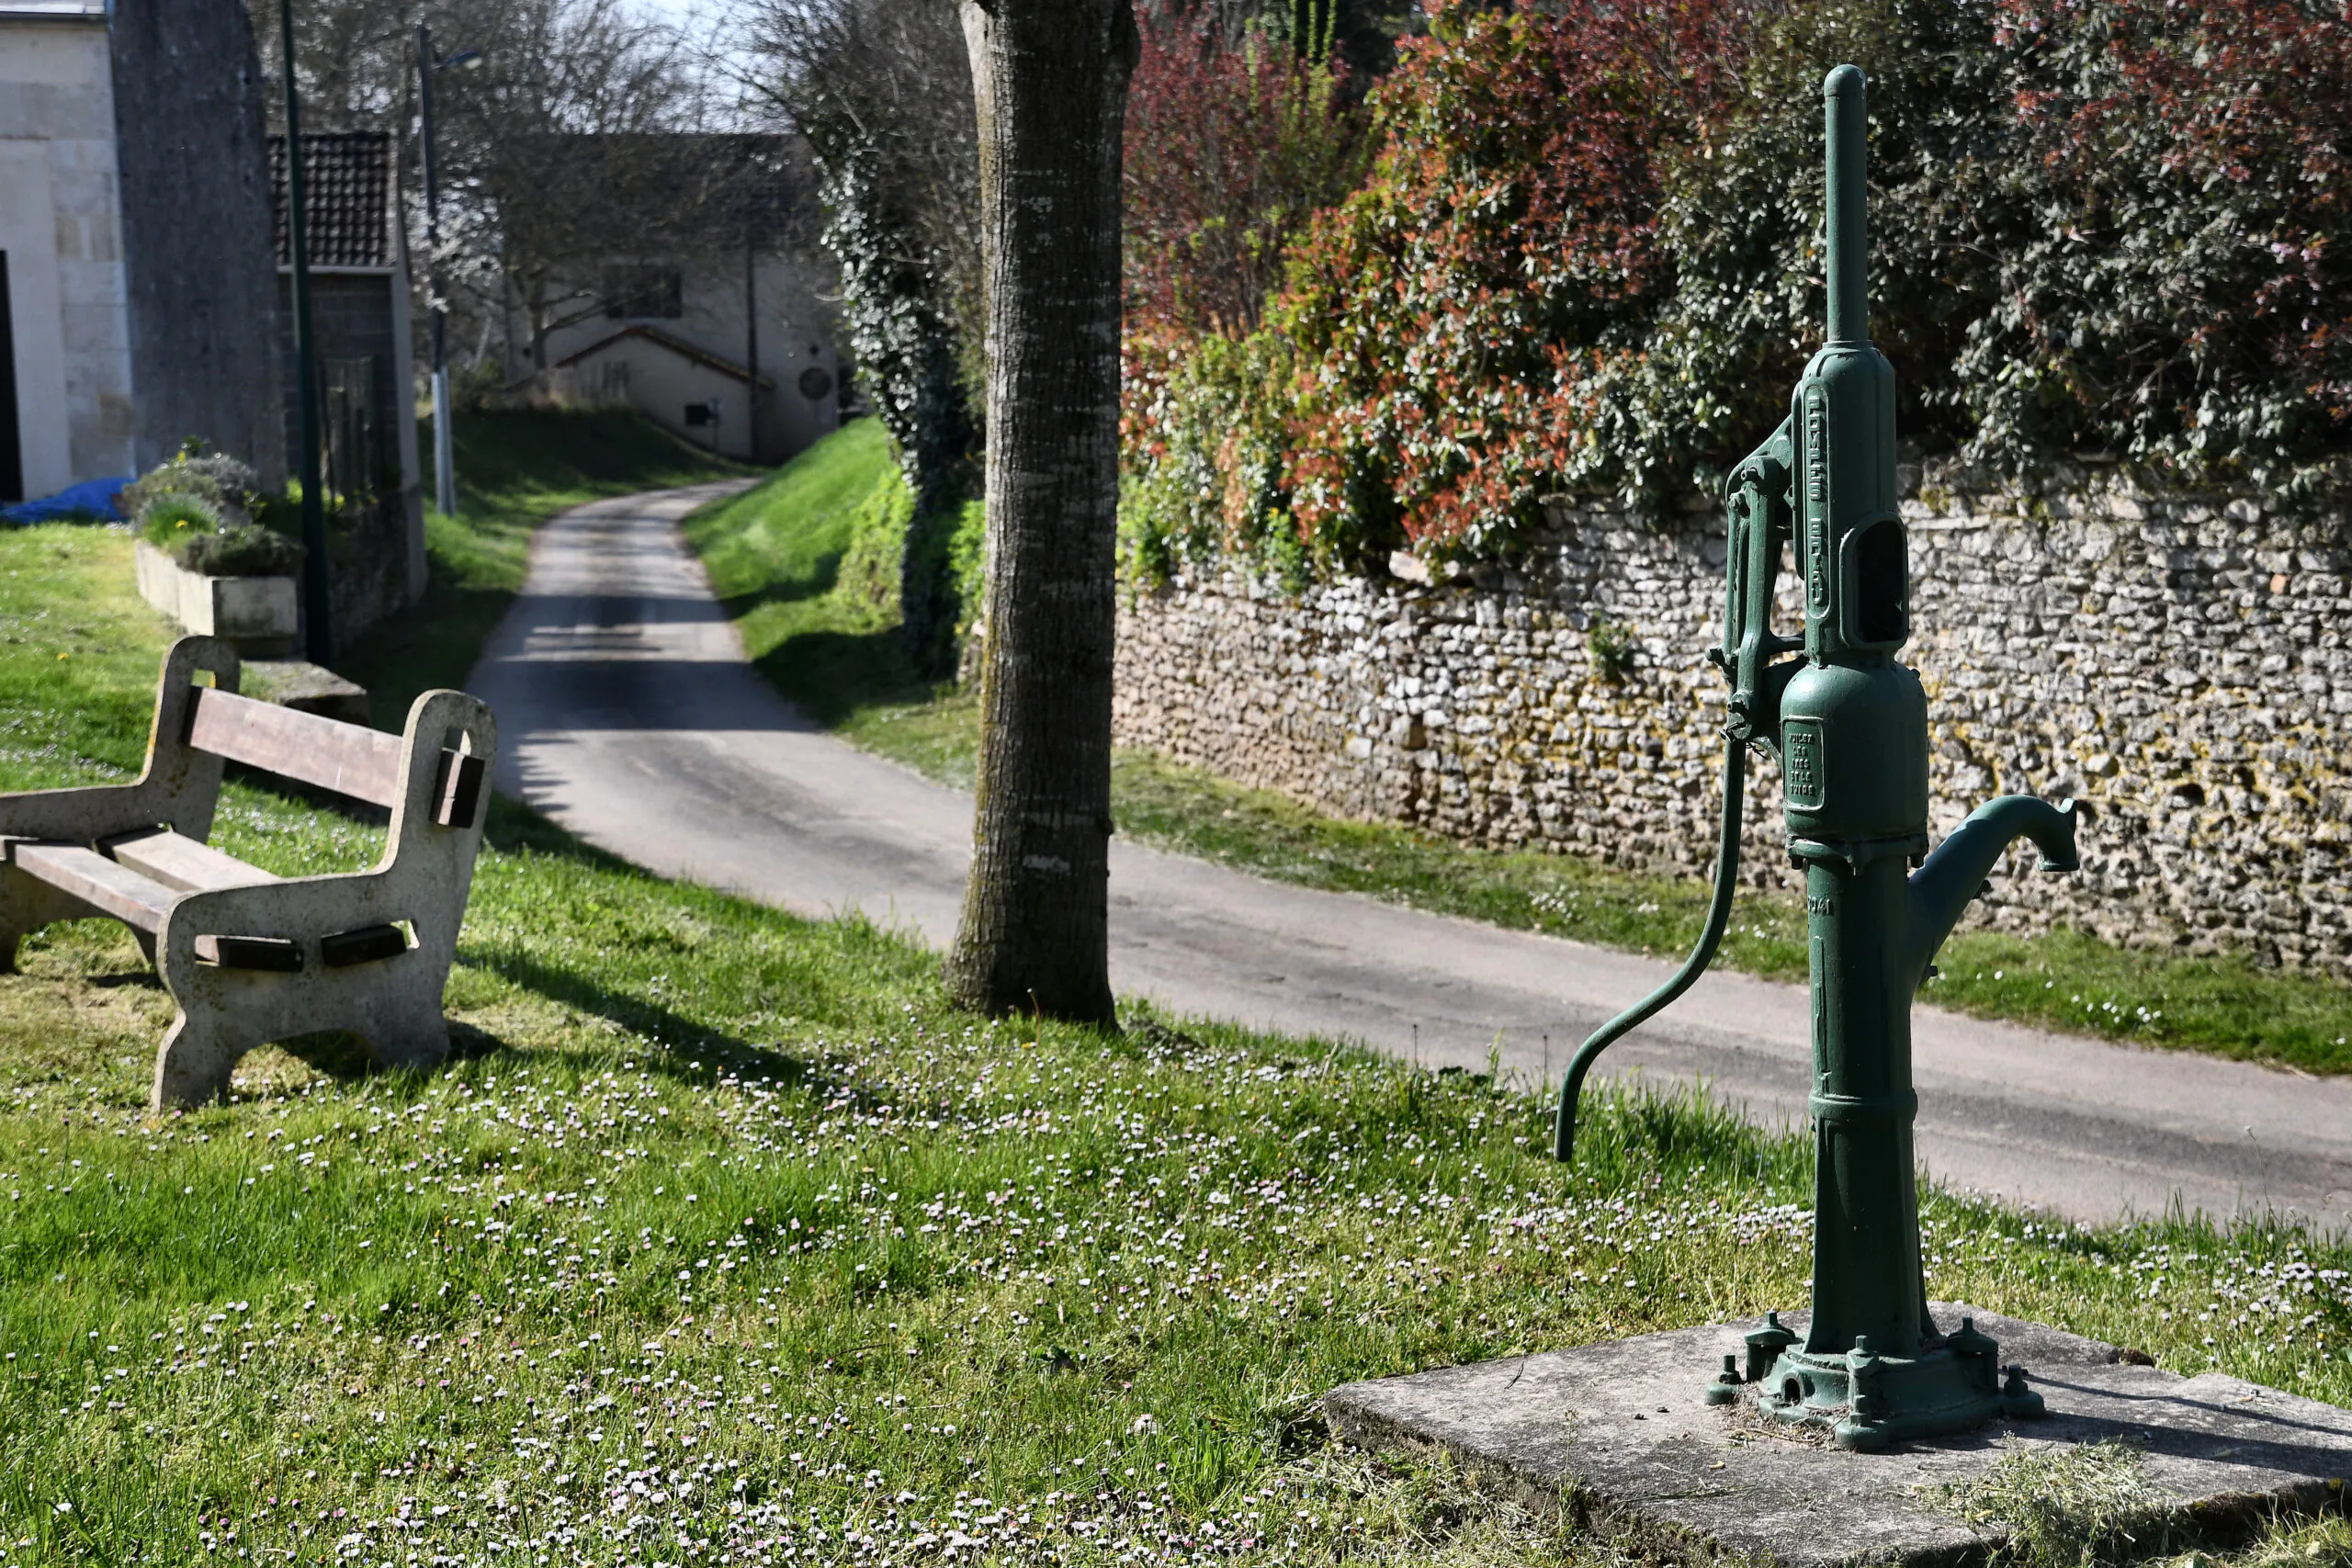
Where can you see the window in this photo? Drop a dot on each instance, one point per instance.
(643, 291)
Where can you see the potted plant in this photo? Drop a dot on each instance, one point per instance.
(206, 558)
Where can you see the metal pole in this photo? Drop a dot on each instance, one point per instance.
(751, 344)
(306, 364)
(444, 462)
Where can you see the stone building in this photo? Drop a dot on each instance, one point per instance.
(709, 321)
(359, 321)
(134, 231)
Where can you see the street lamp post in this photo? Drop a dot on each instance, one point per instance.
(444, 477)
(306, 367)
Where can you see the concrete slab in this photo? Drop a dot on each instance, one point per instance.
(295, 684)
(1618, 1434)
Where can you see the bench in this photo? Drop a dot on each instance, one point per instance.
(249, 957)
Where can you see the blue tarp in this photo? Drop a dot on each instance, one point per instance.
(92, 501)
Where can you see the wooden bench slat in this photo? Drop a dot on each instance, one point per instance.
(345, 758)
(88, 876)
(186, 864)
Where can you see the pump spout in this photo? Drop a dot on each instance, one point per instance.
(1941, 889)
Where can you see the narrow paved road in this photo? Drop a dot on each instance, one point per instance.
(625, 712)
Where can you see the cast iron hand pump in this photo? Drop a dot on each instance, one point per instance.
(1849, 726)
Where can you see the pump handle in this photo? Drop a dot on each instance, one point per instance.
(1564, 1123)
(1757, 524)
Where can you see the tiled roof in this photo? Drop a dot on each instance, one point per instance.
(346, 194)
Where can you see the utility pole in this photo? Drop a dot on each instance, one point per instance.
(751, 339)
(445, 461)
(318, 641)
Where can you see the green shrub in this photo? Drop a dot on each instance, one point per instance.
(873, 567)
(948, 561)
(1589, 260)
(245, 550)
(200, 508)
(227, 488)
(1611, 647)
(968, 563)
(1205, 476)
(170, 519)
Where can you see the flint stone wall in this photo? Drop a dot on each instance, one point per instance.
(2181, 664)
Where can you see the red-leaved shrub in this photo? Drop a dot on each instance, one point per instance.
(1230, 150)
(1587, 260)
(1452, 316)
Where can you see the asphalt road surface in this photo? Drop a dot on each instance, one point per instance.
(625, 712)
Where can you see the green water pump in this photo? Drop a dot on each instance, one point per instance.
(1849, 727)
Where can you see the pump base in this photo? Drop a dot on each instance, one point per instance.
(1934, 1396)
(1617, 1436)
(1866, 1401)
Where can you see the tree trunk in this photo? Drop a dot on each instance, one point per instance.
(1050, 83)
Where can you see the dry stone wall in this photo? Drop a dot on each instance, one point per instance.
(2181, 664)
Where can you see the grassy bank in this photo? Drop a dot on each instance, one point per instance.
(800, 564)
(515, 472)
(724, 1239)
(775, 554)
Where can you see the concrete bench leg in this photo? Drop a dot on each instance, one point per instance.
(202, 1050)
(193, 1067)
(27, 904)
(409, 1032)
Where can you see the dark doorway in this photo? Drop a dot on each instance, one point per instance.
(12, 464)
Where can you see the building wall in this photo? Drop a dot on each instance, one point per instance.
(2183, 665)
(195, 220)
(660, 384)
(362, 315)
(794, 333)
(352, 317)
(60, 225)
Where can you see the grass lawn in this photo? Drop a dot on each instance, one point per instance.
(515, 472)
(723, 1239)
(773, 553)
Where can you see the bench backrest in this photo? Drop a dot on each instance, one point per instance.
(346, 758)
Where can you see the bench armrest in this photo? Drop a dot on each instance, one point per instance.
(448, 750)
(178, 786)
(82, 814)
(302, 910)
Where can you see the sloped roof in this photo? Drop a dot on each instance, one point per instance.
(676, 345)
(347, 195)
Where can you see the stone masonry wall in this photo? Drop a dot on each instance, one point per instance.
(2182, 666)
(195, 183)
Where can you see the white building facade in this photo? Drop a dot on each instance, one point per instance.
(65, 383)
(714, 324)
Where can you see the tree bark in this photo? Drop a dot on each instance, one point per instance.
(1049, 83)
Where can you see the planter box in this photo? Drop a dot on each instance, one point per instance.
(257, 613)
